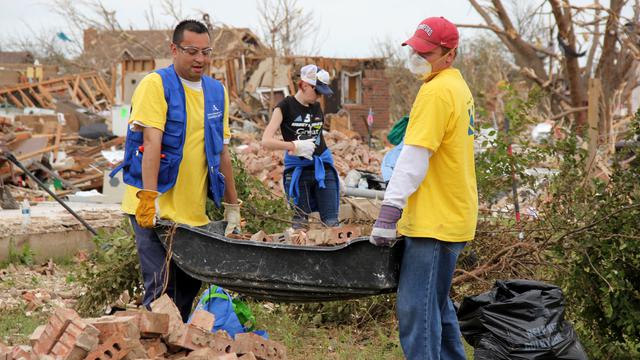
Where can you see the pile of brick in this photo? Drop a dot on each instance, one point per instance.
(140, 334)
(315, 236)
(267, 165)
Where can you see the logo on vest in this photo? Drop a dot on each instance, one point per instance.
(215, 112)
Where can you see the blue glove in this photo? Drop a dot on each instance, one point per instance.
(384, 230)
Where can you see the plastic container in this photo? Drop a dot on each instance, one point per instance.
(26, 213)
(283, 272)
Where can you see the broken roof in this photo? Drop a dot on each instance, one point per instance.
(16, 57)
(145, 44)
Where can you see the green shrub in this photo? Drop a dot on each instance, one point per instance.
(112, 269)
(261, 209)
(597, 248)
(494, 165)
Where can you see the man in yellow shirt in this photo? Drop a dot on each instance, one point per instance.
(432, 195)
(175, 155)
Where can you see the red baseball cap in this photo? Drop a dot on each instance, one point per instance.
(433, 32)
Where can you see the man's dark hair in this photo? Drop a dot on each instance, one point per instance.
(188, 25)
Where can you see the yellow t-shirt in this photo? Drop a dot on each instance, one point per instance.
(445, 205)
(185, 203)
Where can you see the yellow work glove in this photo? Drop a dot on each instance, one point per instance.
(146, 210)
(232, 217)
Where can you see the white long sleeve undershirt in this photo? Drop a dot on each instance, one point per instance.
(410, 170)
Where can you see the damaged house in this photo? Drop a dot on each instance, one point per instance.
(244, 64)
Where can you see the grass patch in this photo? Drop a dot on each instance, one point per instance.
(16, 326)
(308, 337)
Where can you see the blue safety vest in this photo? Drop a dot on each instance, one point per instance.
(173, 137)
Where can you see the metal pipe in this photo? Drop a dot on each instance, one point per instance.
(13, 159)
(365, 193)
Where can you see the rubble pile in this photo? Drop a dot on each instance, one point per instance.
(140, 334)
(267, 165)
(37, 288)
(357, 216)
(56, 154)
(50, 217)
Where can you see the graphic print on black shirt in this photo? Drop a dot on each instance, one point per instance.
(301, 122)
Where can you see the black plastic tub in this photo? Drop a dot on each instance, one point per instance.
(281, 272)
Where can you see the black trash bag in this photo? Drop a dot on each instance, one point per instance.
(519, 319)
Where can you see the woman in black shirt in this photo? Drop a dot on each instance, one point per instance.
(310, 180)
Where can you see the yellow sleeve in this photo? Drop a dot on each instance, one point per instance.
(148, 106)
(225, 118)
(428, 121)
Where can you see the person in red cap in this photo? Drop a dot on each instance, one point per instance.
(432, 197)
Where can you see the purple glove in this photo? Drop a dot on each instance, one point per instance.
(384, 230)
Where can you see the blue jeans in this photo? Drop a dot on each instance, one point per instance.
(181, 288)
(427, 320)
(314, 198)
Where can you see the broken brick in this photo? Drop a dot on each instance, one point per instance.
(248, 356)
(335, 235)
(222, 342)
(343, 234)
(56, 324)
(66, 336)
(164, 305)
(191, 338)
(77, 339)
(150, 324)
(35, 336)
(22, 352)
(111, 325)
(262, 348)
(114, 348)
(136, 350)
(231, 356)
(178, 356)
(204, 354)
(203, 319)
(154, 347)
(5, 352)
(261, 236)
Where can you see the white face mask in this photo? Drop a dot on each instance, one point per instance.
(418, 65)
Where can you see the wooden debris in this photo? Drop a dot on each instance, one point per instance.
(88, 89)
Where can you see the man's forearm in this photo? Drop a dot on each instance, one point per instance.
(226, 168)
(151, 158)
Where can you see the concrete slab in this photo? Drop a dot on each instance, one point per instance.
(52, 232)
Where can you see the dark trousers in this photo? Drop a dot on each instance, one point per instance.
(181, 288)
(314, 198)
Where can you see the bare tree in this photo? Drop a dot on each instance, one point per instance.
(483, 61)
(612, 55)
(173, 10)
(286, 24)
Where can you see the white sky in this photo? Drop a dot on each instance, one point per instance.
(350, 28)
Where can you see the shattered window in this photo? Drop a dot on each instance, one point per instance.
(351, 87)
